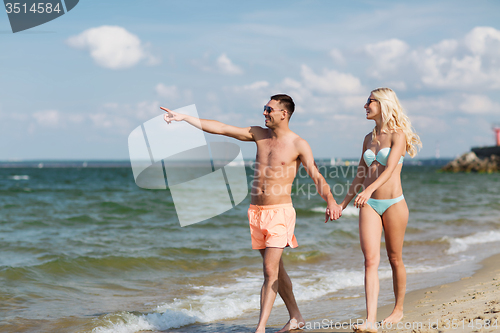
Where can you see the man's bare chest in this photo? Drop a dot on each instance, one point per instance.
(275, 154)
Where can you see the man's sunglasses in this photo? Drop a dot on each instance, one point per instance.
(268, 109)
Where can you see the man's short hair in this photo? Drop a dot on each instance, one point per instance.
(286, 102)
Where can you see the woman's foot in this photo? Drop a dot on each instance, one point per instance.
(394, 318)
(365, 327)
(292, 325)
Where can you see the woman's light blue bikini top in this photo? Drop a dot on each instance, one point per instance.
(382, 156)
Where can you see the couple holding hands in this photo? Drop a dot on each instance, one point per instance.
(377, 185)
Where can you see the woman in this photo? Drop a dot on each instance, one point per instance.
(381, 202)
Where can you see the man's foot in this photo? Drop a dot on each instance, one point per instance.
(365, 327)
(394, 318)
(292, 325)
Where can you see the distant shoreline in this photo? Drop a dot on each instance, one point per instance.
(126, 163)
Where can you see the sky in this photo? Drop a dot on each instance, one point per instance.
(76, 87)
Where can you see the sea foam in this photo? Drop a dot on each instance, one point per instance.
(20, 177)
(462, 244)
(232, 300)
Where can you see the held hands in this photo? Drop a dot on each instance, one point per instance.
(171, 115)
(333, 212)
(362, 198)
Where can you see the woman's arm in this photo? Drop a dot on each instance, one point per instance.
(358, 180)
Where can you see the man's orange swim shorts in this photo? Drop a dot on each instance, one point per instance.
(272, 226)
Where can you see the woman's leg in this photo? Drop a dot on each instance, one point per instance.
(370, 233)
(394, 221)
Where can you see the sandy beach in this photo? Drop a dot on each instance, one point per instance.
(469, 305)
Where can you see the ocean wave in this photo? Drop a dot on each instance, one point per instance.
(35, 262)
(462, 244)
(213, 303)
(126, 322)
(348, 211)
(224, 302)
(20, 177)
(111, 207)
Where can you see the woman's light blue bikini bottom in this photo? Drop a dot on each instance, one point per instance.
(380, 206)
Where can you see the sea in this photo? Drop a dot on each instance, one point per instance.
(84, 249)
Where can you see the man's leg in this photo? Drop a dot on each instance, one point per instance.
(272, 257)
(285, 290)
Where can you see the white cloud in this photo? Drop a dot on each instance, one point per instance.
(429, 105)
(429, 124)
(54, 118)
(330, 91)
(112, 47)
(471, 63)
(172, 94)
(256, 85)
(310, 122)
(111, 105)
(222, 65)
(122, 118)
(446, 47)
(147, 109)
(226, 66)
(117, 122)
(102, 120)
(168, 92)
(291, 83)
(398, 85)
(387, 56)
(330, 81)
(354, 102)
(254, 94)
(14, 116)
(478, 104)
(443, 72)
(212, 97)
(482, 40)
(75, 118)
(337, 56)
(295, 89)
(50, 118)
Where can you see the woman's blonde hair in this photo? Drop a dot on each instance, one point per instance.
(395, 118)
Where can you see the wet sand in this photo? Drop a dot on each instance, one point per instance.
(469, 305)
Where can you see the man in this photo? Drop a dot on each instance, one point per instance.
(271, 214)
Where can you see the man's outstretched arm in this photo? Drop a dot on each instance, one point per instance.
(211, 126)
